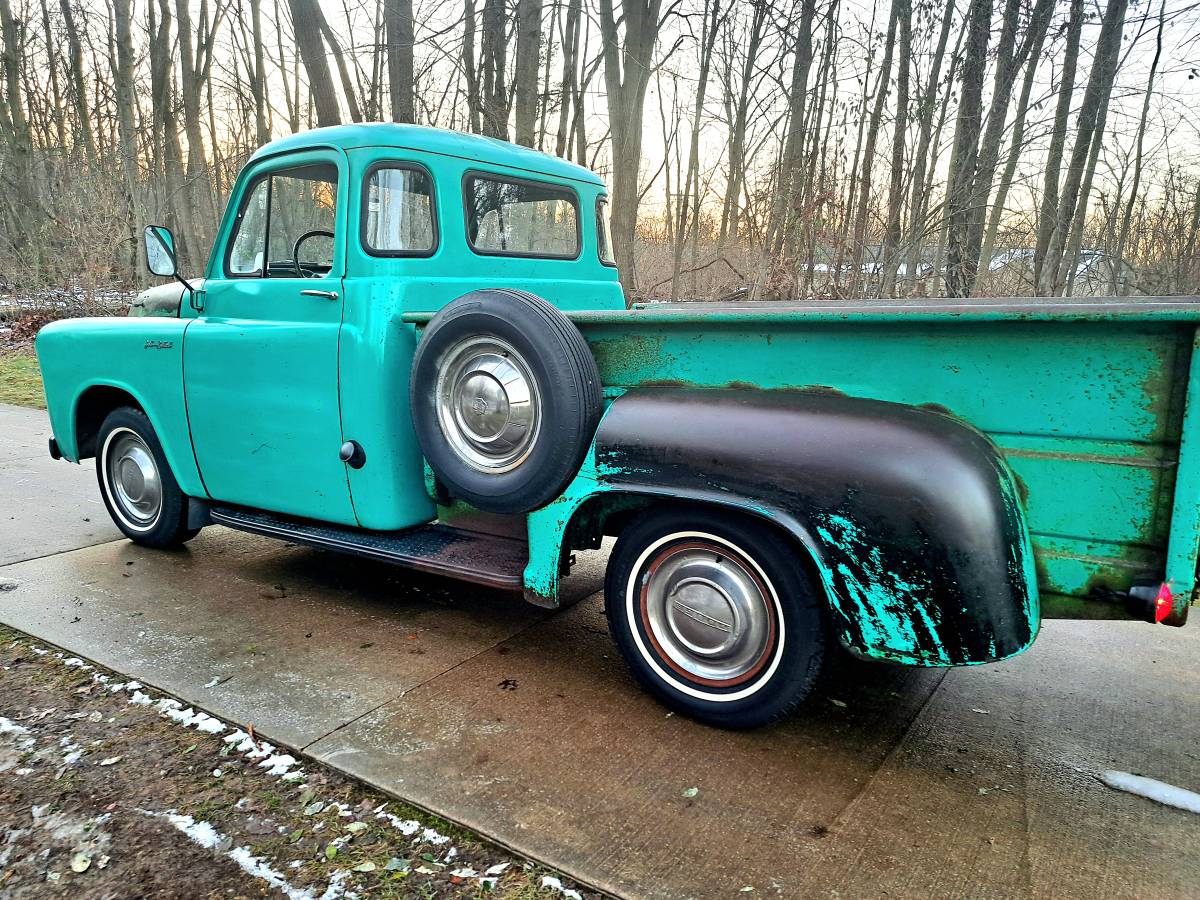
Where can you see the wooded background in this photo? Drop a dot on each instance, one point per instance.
(800, 148)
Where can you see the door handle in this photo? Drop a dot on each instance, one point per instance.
(327, 295)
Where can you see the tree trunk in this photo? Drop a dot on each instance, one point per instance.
(919, 199)
(1009, 59)
(1053, 276)
(960, 269)
(1058, 141)
(868, 160)
(786, 211)
(1038, 27)
(891, 236)
(689, 200)
(627, 69)
(199, 188)
(83, 116)
(525, 78)
(262, 128)
(1117, 284)
(570, 76)
(123, 89)
(495, 94)
(339, 60)
(306, 23)
(471, 68)
(398, 26)
(730, 213)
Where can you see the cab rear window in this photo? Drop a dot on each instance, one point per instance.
(398, 216)
(510, 217)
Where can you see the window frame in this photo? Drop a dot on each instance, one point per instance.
(251, 187)
(268, 174)
(490, 175)
(434, 218)
(602, 200)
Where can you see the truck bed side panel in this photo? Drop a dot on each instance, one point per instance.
(1087, 413)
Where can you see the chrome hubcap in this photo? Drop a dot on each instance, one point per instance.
(133, 478)
(488, 404)
(707, 613)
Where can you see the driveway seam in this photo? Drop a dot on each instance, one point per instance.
(846, 810)
(421, 684)
(17, 562)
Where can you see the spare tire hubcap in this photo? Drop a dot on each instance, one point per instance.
(488, 404)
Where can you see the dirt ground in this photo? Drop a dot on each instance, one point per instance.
(106, 784)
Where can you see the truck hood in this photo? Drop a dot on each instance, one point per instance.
(162, 299)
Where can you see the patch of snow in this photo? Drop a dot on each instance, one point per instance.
(189, 718)
(204, 835)
(8, 726)
(278, 764)
(255, 866)
(337, 887)
(1152, 789)
(213, 683)
(72, 751)
(38, 650)
(249, 747)
(76, 663)
(434, 837)
(552, 883)
(465, 872)
(407, 827)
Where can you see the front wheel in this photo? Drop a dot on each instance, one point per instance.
(136, 482)
(715, 616)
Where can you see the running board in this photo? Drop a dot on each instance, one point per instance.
(486, 559)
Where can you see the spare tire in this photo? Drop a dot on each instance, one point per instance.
(505, 399)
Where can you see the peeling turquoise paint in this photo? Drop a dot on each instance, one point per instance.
(886, 607)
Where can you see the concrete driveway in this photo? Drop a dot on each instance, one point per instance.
(524, 725)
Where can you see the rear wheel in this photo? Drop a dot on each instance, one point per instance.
(136, 483)
(714, 616)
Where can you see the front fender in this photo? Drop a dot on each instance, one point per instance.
(142, 357)
(911, 516)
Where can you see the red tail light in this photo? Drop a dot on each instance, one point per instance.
(1163, 603)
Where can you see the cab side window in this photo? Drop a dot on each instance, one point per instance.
(510, 217)
(286, 226)
(246, 251)
(398, 217)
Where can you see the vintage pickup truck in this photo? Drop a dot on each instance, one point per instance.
(411, 345)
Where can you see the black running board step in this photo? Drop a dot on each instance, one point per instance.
(486, 559)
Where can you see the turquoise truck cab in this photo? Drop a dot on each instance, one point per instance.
(411, 345)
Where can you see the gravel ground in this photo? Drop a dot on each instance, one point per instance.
(106, 784)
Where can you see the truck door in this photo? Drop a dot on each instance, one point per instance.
(261, 358)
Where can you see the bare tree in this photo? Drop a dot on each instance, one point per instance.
(398, 26)
(1117, 285)
(891, 235)
(495, 94)
(306, 23)
(1052, 278)
(525, 78)
(628, 64)
(960, 197)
